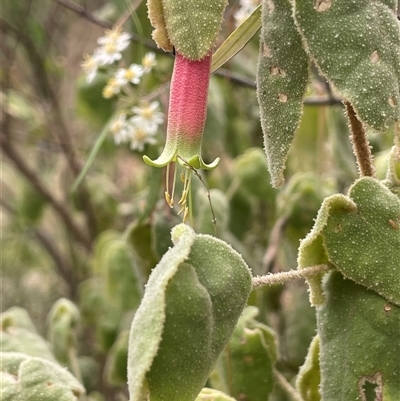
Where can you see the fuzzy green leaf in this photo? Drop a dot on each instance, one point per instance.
(309, 377)
(18, 334)
(193, 25)
(356, 45)
(282, 76)
(245, 368)
(63, 319)
(184, 320)
(359, 343)
(121, 282)
(36, 379)
(359, 235)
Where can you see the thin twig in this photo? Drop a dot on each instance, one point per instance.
(59, 126)
(234, 77)
(78, 9)
(361, 147)
(36, 182)
(285, 385)
(284, 277)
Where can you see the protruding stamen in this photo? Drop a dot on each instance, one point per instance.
(173, 183)
(186, 214)
(169, 200)
(182, 201)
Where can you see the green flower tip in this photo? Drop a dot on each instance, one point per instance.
(196, 161)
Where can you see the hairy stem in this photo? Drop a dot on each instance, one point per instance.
(284, 277)
(285, 385)
(360, 143)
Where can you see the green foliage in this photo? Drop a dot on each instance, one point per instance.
(300, 324)
(182, 323)
(193, 25)
(308, 380)
(90, 102)
(345, 40)
(18, 334)
(117, 360)
(252, 170)
(359, 335)
(32, 205)
(282, 76)
(123, 290)
(63, 320)
(351, 232)
(245, 367)
(192, 328)
(36, 379)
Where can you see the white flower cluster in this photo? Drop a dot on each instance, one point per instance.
(109, 51)
(111, 45)
(245, 10)
(140, 128)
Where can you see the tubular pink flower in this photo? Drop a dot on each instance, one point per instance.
(186, 114)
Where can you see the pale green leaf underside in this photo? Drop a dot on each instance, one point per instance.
(309, 377)
(210, 394)
(147, 326)
(183, 323)
(237, 40)
(193, 25)
(356, 44)
(36, 379)
(282, 76)
(359, 235)
(18, 334)
(359, 342)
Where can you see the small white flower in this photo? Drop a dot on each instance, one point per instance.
(241, 15)
(147, 117)
(131, 74)
(111, 45)
(249, 4)
(90, 66)
(141, 136)
(245, 10)
(121, 130)
(148, 62)
(111, 89)
(116, 38)
(108, 54)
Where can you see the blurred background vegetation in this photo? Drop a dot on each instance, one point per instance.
(96, 245)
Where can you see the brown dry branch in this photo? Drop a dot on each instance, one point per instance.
(360, 143)
(31, 175)
(58, 126)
